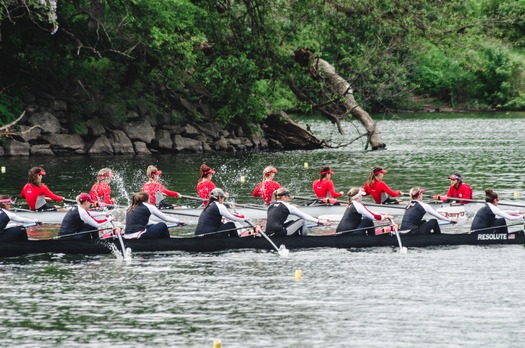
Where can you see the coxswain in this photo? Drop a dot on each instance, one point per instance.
(267, 186)
(82, 224)
(492, 216)
(156, 190)
(14, 233)
(416, 209)
(458, 189)
(101, 191)
(35, 192)
(324, 186)
(278, 213)
(358, 217)
(138, 216)
(378, 189)
(205, 184)
(210, 220)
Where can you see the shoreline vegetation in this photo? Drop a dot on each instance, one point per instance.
(201, 76)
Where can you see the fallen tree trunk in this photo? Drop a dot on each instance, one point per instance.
(342, 93)
(283, 133)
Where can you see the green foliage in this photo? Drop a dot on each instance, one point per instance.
(10, 108)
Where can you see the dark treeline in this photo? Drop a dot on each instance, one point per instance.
(236, 61)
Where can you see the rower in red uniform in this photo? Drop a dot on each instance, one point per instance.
(35, 192)
(267, 186)
(101, 191)
(324, 185)
(155, 189)
(378, 189)
(205, 185)
(458, 189)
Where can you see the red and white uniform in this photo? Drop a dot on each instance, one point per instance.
(323, 187)
(379, 190)
(462, 191)
(36, 195)
(265, 190)
(155, 191)
(101, 192)
(204, 188)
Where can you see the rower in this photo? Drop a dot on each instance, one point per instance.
(492, 216)
(35, 192)
(137, 219)
(416, 209)
(278, 213)
(16, 233)
(101, 191)
(324, 186)
(267, 186)
(358, 217)
(378, 189)
(156, 190)
(82, 224)
(205, 185)
(210, 220)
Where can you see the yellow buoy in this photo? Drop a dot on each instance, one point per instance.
(2, 169)
(305, 165)
(243, 179)
(516, 194)
(217, 343)
(298, 274)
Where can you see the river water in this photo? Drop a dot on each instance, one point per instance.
(455, 296)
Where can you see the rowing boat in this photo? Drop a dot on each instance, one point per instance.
(258, 212)
(196, 244)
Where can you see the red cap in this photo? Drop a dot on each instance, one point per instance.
(329, 171)
(270, 172)
(83, 197)
(206, 172)
(158, 172)
(41, 173)
(379, 170)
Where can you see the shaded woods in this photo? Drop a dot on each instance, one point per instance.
(236, 62)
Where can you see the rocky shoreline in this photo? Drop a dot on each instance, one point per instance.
(45, 130)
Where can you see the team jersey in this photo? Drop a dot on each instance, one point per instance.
(155, 191)
(101, 192)
(323, 187)
(265, 190)
(204, 188)
(379, 190)
(462, 191)
(36, 195)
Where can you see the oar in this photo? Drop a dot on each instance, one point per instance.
(402, 249)
(120, 240)
(178, 213)
(282, 251)
(83, 232)
(218, 232)
(199, 199)
(495, 227)
(361, 229)
(442, 197)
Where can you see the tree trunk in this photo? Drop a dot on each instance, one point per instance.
(285, 134)
(321, 69)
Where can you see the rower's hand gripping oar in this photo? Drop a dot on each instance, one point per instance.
(282, 251)
(402, 249)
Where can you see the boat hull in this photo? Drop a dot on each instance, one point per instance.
(195, 244)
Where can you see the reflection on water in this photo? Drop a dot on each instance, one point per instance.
(464, 296)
